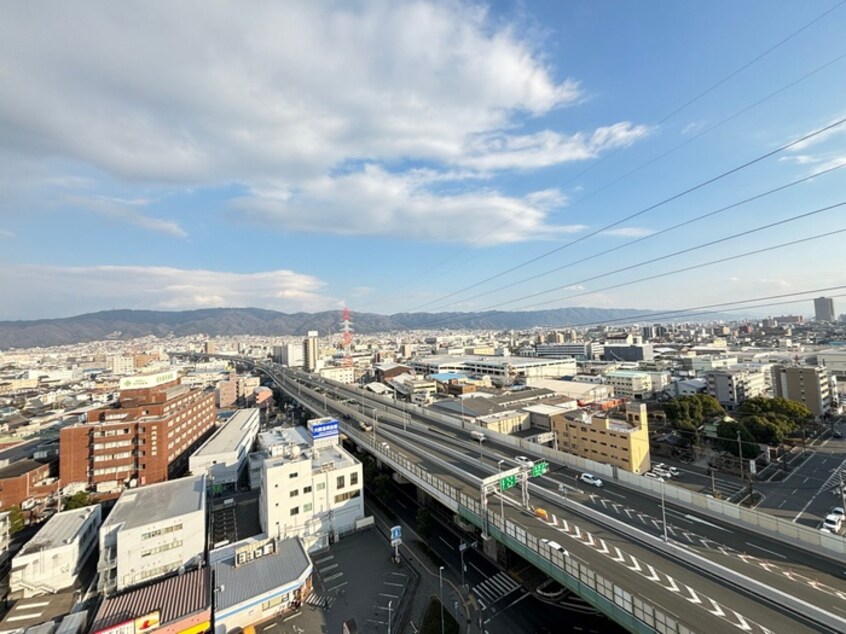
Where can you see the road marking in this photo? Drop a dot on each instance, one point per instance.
(674, 588)
(328, 568)
(636, 567)
(476, 569)
(402, 505)
(320, 561)
(397, 585)
(446, 542)
(654, 575)
(766, 550)
(340, 585)
(335, 576)
(622, 497)
(717, 611)
(603, 549)
(693, 518)
(693, 598)
(743, 624)
(390, 596)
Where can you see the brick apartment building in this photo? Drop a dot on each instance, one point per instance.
(27, 481)
(145, 438)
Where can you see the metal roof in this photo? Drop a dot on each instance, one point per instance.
(236, 585)
(157, 502)
(175, 598)
(59, 530)
(232, 433)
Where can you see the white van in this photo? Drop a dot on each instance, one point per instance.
(477, 435)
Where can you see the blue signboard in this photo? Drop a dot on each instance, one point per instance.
(396, 532)
(325, 430)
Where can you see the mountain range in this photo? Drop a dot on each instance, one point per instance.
(129, 324)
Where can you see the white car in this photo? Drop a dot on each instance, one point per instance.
(589, 478)
(654, 476)
(838, 510)
(832, 522)
(672, 472)
(662, 473)
(555, 546)
(523, 460)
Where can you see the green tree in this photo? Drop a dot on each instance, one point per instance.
(383, 489)
(727, 438)
(77, 501)
(16, 520)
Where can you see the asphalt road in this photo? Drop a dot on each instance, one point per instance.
(665, 574)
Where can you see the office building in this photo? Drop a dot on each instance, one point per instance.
(619, 439)
(226, 392)
(824, 309)
(562, 350)
(809, 385)
(52, 560)
(732, 386)
(152, 532)
(223, 457)
(341, 374)
(145, 438)
(833, 360)
(258, 579)
(289, 354)
(311, 487)
(310, 351)
(630, 384)
(502, 370)
(628, 352)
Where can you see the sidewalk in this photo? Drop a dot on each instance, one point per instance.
(461, 605)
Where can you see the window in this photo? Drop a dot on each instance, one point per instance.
(353, 478)
(272, 603)
(295, 492)
(321, 486)
(340, 482)
(295, 510)
(307, 489)
(293, 475)
(307, 507)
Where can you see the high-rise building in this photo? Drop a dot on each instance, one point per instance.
(809, 385)
(824, 309)
(289, 354)
(310, 351)
(145, 437)
(732, 386)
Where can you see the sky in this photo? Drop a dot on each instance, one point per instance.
(401, 156)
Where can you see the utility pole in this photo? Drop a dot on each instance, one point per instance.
(713, 482)
(441, 584)
(389, 616)
(663, 510)
(740, 453)
(751, 492)
(842, 492)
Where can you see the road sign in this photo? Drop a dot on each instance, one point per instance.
(507, 482)
(539, 468)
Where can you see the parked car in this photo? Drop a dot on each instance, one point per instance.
(673, 471)
(589, 478)
(832, 522)
(838, 510)
(662, 473)
(654, 476)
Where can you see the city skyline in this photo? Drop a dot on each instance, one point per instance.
(403, 157)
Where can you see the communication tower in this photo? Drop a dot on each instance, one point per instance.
(346, 338)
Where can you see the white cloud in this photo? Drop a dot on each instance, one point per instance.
(36, 291)
(5, 233)
(821, 137)
(126, 211)
(542, 149)
(375, 202)
(628, 232)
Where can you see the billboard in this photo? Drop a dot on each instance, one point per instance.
(325, 430)
(147, 380)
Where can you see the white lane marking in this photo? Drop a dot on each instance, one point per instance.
(717, 611)
(681, 516)
(622, 497)
(766, 550)
(693, 518)
(402, 505)
(446, 542)
(335, 576)
(471, 564)
(636, 566)
(327, 568)
(340, 585)
(653, 576)
(743, 624)
(693, 598)
(673, 587)
(619, 558)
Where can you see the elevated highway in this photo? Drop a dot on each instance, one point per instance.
(709, 574)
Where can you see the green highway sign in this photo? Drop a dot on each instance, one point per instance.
(539, 468)
(507, 482)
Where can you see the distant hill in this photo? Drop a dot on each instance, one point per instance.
(128, 324)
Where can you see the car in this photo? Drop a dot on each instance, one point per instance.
(589, 478)
(384, 446)
(838, 510)
(523, 460)
(555, 546)
(653, 476)
(345, 416)
(832, 522)
(837, 434)
(662, 473)
(823, 529)
(673, 471)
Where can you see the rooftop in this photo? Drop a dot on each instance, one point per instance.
(157, 502)
(59, 530)
(20, 467)
(628, 374)
(231, 433)
(254, 578)
(175, 598)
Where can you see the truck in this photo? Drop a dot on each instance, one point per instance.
(365, 426)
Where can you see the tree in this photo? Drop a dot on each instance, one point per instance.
(727, 438)
(771, 420)
(16, 520)
(78, 500)
(688, 413)
(382, 488)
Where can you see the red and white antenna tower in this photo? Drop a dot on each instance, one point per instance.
(346, 338)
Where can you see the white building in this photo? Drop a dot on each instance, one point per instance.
(122, 364)
(310, 486)
(153, 531)
(734, 385)
(223, 456)
(503, 370)
(290, 354)
(257, 579)
(51, 561)
(5, 536)
(340, 374)
(834, 360)
(630, 384)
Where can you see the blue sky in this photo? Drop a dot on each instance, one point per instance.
(384, 155)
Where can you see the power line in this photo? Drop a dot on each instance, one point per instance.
(659, 275)
(673, 113)
(654, 235)
(676, 253)
(652, 207)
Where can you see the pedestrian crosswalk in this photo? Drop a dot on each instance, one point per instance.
(495, 588)
(319, 600)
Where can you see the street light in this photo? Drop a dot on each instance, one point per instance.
(481, 438)
(461, 548)
(441, 584)
(740, 453)
(501, 494)
(663, 510)
(389, 616)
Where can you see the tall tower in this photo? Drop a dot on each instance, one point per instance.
(347, 337)
(824, 309)
(310, 351)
